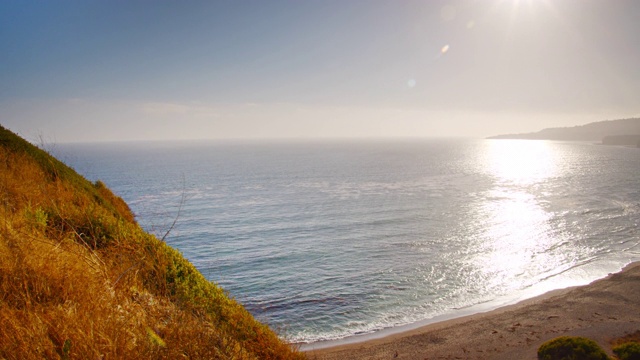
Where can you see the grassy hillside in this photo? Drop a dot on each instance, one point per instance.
(79, 279)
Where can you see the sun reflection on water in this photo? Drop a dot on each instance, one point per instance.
(517, 235)
(521, 162)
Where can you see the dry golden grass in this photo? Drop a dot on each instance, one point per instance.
(635, 337)
(79, 279)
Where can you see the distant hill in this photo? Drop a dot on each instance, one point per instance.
(596, 131)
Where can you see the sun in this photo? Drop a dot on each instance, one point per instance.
(527, 5)
(517, 10)
(527, 2)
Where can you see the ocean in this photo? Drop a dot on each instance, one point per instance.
(328, 239)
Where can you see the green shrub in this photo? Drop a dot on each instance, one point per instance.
(628, 351)
(37, 217)
(571, 348)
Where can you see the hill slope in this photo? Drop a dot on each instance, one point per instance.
(595, 131)
(79, 279)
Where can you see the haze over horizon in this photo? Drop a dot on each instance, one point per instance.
(130, 70)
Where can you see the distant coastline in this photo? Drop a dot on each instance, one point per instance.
(611, 132)
(622, 140)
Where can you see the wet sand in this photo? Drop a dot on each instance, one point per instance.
(603, 310)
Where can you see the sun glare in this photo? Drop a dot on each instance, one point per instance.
(517, 231)
(516, 224)
(520, 161)
(529, 3)
(523, 8)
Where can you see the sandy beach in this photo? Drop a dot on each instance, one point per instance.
(604, 310)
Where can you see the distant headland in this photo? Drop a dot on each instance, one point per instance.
(610, 132)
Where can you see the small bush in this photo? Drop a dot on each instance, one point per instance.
(571, 348)
(627, 351)
(37, 217)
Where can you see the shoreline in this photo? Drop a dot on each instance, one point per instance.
(602, 310)
(452, 317)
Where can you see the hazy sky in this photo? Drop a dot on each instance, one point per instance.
(123, 70)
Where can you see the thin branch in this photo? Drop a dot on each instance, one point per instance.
(183, 199)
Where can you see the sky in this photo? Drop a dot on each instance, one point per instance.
(84, 71)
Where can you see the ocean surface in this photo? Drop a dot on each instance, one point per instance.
(328, 239)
